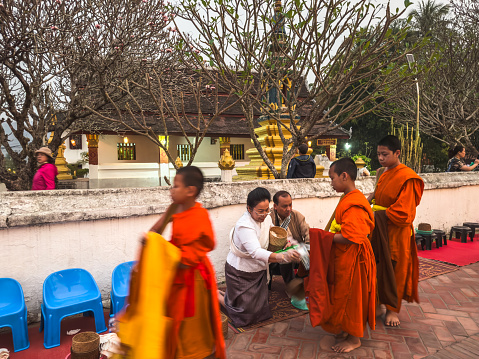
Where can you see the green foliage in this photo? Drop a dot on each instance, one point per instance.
(366, 133)
(9, 164)
(364, 158)
(435, 156)
(84, 157)
(411, 145)
(76, 171)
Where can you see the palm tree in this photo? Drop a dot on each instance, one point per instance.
(428, 15)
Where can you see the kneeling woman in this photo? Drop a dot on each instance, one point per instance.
(246, 297)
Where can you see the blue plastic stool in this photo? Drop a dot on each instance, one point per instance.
(120, 285)
(13, 312)
(65, 293)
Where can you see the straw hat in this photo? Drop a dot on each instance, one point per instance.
(45, 151)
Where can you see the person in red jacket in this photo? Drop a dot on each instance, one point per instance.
(44, 178)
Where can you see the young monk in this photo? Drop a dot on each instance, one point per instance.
(352, 268)
(398, 192)
(193, 304)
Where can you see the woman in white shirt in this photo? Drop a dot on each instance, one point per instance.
(246, 297)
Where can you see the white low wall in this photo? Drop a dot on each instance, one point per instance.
(45, 231)
(128, 175)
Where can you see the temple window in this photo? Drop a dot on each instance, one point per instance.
(126, 151)
(237, 152)
(75, 142)
(184, 152)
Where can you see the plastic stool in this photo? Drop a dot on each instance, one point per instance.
(473, 226)
(13, 312)
(420, 240)
(65, 293)
(441, 235)
(460, 229)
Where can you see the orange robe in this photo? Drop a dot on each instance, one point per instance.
(400, 190)
(351, 272)
(193, 303)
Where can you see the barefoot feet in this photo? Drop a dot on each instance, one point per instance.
(391, 319)
(346, 345)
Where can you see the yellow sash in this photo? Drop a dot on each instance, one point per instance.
(377, 207)
(335, 227)
(144, 326)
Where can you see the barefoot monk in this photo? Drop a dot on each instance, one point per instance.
(347, 303)
(398, 192)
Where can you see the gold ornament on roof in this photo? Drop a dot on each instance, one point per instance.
(178, 162)
(226, 162)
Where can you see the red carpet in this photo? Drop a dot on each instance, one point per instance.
(38, 351)
(455, 252)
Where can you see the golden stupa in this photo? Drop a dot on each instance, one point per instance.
(268, 134)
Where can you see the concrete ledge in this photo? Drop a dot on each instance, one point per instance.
(43, 207)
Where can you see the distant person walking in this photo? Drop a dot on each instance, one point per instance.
(457, 163)
(44, 178)
(302, 166)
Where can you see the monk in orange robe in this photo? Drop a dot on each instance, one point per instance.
(193, 303)
(352, 268)
(398, 192)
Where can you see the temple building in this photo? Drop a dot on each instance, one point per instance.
(123, 158)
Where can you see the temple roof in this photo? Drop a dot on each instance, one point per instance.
(231, 123)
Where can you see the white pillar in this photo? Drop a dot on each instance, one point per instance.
(226, 175)
(94, 181)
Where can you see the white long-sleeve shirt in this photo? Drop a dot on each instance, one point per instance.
(246, 238)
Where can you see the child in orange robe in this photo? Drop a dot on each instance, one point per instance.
(352, 268)
(398, 192)
(193, 303)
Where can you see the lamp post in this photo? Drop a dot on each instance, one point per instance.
(410, 61)
(417, 150)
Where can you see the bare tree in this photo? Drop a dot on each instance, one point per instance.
(449, 107)
(265, 51)
(56, 57)
(468, 11)
(168, 99)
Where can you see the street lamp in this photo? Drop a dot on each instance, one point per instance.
(410, 61)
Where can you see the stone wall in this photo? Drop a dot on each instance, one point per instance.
(46, 231)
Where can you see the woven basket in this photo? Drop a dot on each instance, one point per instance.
(85, 343)
(424, 227)
(224, 325)
(278, 237)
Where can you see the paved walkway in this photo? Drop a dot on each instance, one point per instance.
(444, 325)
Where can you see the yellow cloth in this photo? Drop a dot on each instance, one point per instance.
(377, 207)
(335, 227)
(144, 326)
